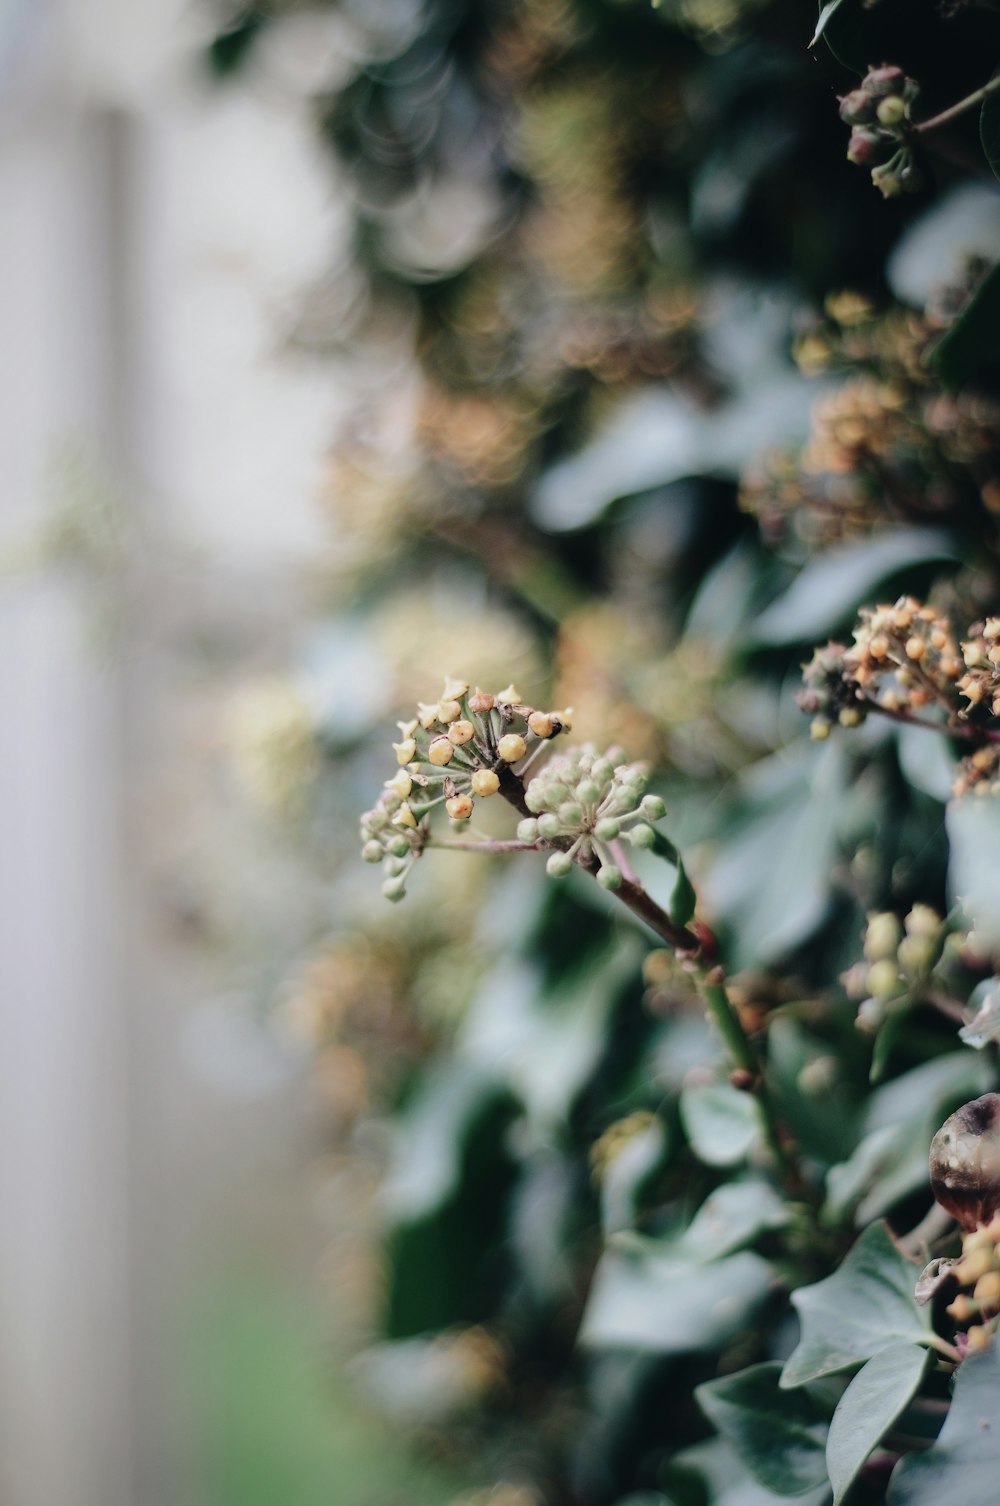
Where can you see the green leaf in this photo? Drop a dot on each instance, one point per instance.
(683, 898)
(672, 1306)
(731, 1217)
(964, 1464)
(828, 591)
(973, 825)
(860, 1310)
(843, 24)
(879, 1393)
(721, 1123)
(829, 8)
(989, 131)
(723, 1480)
(969, 348)
(779, 1437)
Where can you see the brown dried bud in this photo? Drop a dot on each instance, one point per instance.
(885, 80)
(481, 701)
(965, 1162)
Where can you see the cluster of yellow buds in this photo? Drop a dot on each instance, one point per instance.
(904, 657)
(979, 773)
(585, 801)
(899, 959)
(979, 1268)
(456, 750)
(980, 685)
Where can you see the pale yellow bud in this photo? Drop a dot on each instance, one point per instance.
(401, 783)
(485, 782)
(509, 696)
(405, 750)
(454, 689)
(459, 807)
(407, 729)
(404, 817)
(427, 714)
(512, 747)
(441, 752)
(449, 711)
(542, 723)
(460, 733)
(915, 647)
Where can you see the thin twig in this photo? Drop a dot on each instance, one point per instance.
(953, 111)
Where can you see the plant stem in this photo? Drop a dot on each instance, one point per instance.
(953, 111)
(946, 729)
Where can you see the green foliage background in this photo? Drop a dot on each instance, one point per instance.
(652, 456)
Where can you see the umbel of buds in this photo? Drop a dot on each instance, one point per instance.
(878, 111)
(585, 801)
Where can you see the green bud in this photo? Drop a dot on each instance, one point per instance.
(609, 877)
(558, 865)
(394, 889)
(602, 771)
(588, 791)
(527, 830)
(884, 980)
(549, 825)
(882, 936)
(398, 846)
(556, 792)
(372, 852)
(652, 808)
(642, 836)
(857, 108)
(571, 814)
(607, 829)
(395, 866)
(535, 796)
(633, 777)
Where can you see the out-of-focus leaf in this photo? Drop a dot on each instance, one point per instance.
(780, 1438)
(732, 1216)
(866, 1305)
(683, 899)
(427, 1145)
(964, 1463)
(989, 131)
(878, 1394)
(718, 614)
(969, 349)
(821, 1121)
(935, 249)
(629, 1170)
(721, 1123)
(829, 590)
(719, 1471)
(672, 1307)
(900, 1119)
(926, 761)
(985, 1024)
(973, 824)
(771, 880)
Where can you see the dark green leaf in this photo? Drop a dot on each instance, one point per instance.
(964, 1465)
(672, 1306)
(779, 1437)
(730, 1217)
(683, 898)
(842, 24)
(989, 131)
(970, 347)
(860, 1310)
(726, 1482)
(877, 1395)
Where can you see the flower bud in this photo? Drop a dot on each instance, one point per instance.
(549, 825)
(882, 936)
(485, 782)
(461, 733)
(543, 723)
(512, 747)
(527, 830)
(819, 729)
(558, 865)
(857, 108)
(891, 110)
(405, 817)
(449, 711)
(888, 180)
(441, 752)
(371, 852)
(850, 716)
(865, 146)
(588, 792)
(642, 835)
(917, 954)
(570, 813)
(454, 690)
(509, 696)
(535, 796)
(871, 1014)
(401, 783)
(885, 80)
(652, 808)
(922, 920)
(398, 846)
(405, 750)
(394, 889)
(459, 807)
(884, 980)
(609, 877)
(480, 701)
(607, 829)
(965, 1163)
(427, 714)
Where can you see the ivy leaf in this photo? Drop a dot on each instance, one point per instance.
(989, 131)
(878, 1394)
(778, 1437)
(683, 898)
(720, 1122)
(860, 1310)
(731, 1217)
(671, 1306)
(964, 1463)
(969, 348)
(824, 16)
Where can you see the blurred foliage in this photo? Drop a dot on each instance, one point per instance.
(655, 395)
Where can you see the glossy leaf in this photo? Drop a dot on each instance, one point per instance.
(866, 1305)
(721, 1123)
(731, 1217)
(672, 1306)
(879, 1393)
(780, 1438)
(963, 1466)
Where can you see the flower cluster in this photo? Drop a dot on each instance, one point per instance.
(899, 960)
(456, 750)
(878, 111)
(904, 657)
(979, 1268)
(586, 801)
